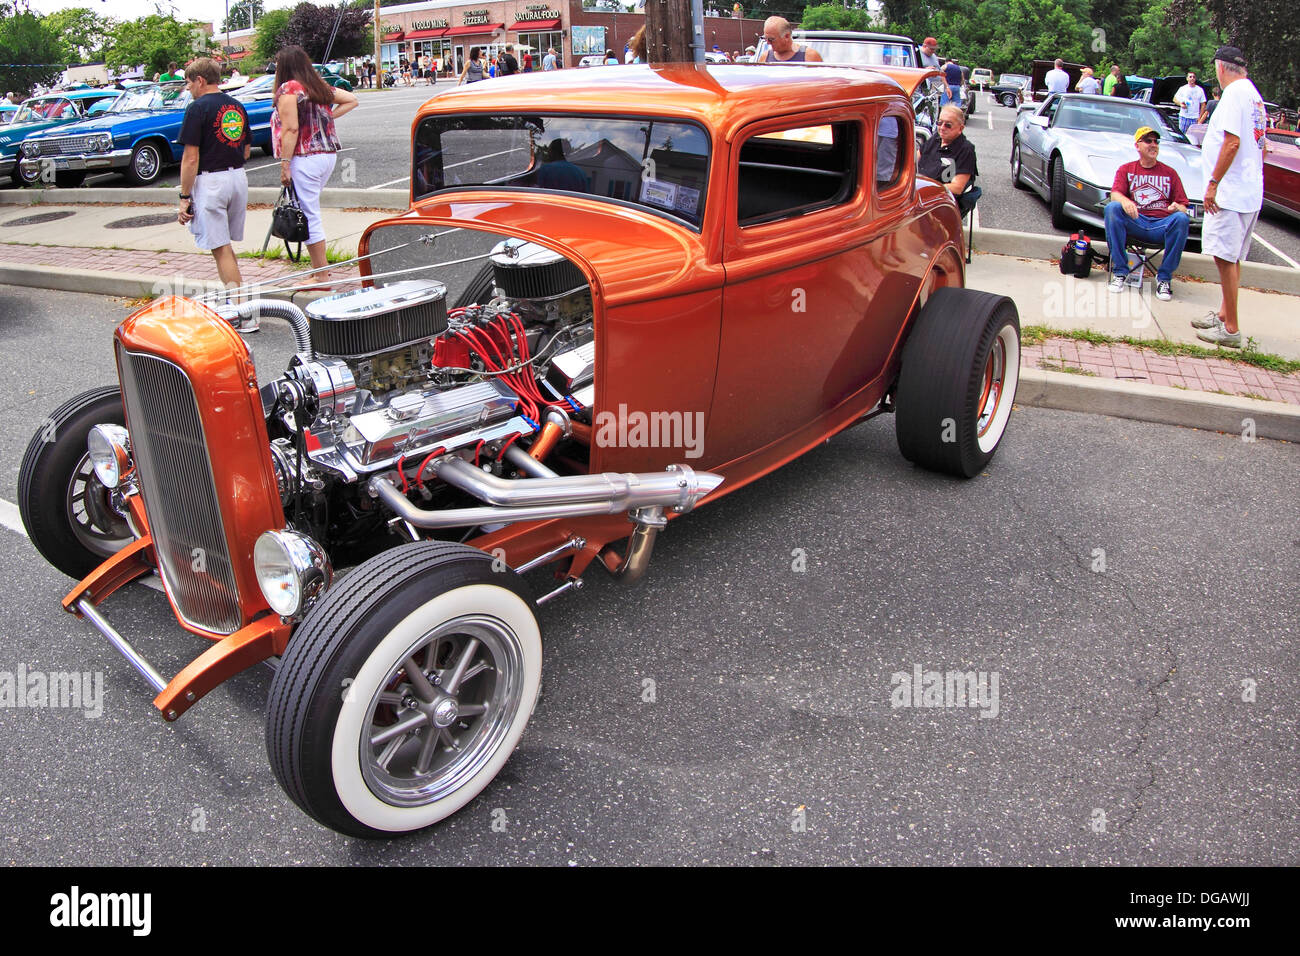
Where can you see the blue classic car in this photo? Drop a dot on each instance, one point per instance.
(137, 136)
(40, 113)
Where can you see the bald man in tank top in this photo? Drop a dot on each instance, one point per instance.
(777, 32)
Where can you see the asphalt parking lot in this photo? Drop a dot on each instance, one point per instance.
(1132, 586)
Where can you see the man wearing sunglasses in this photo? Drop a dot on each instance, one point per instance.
(950, 156)
(1147, 202)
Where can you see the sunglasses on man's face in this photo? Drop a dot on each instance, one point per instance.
(1151, 141)
(944, 123)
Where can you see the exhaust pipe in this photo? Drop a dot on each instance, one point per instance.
(535, 499)
(275, 309)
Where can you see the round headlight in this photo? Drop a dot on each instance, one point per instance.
(110, 453)
(292, 570)
(31, 149)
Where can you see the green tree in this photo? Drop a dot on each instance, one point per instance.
(156, 41)
(82, 33)
(1157, 49)
(1266, 31)
(29, 47)
(311, 27)
(244, 15)
(270, 34)
(830, 16)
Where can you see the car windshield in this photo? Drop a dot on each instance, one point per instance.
(1095, 116)
(168, 97)
(257, 88)
(1013, 79)
(45, 108)
(657, 163)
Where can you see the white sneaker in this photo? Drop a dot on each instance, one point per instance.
(1164, 291)
(1116, 283)
(1208, 321)
(1219, 335)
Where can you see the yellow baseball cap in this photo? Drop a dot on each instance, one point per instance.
(1145, 131)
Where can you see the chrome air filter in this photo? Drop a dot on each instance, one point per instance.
(371, 321)
(525, 270)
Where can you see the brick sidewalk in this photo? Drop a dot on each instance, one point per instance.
(198, 266)
(1144, 365)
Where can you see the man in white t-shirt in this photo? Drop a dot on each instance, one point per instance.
(1058, 81)
(1189, 99)
(1232, 155)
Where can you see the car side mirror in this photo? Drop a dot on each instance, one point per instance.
(1042, 121)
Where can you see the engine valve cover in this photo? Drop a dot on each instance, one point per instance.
(370, 321)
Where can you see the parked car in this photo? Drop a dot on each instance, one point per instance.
(577, 259)
(7, 111)
(1160, 93)
(1069, 148)
(332, 73)
(1038, 77)
(590, 60)
(40, 113)
(137, 136)
(1011, 89)
(1282, 172)
(981, 77)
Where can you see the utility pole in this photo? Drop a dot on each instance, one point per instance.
(379, 64)
(669, 29)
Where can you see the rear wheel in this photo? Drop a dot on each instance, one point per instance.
(1057, 186)
(961, 365)
(67, 512)
(1009, 100)
(405, 690)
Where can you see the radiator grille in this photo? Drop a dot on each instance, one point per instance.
(180, 499)
(65, 145)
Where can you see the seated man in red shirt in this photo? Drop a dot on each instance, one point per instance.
(1147, 202)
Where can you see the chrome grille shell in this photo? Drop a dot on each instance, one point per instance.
(176, 481)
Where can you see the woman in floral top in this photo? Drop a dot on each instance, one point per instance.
(302, 133)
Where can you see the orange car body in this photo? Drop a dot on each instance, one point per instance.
(781, 333)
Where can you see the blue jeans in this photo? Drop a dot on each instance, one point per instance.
(1171, 231)
(1184, 123)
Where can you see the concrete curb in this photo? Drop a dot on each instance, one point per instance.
(126, 285)
(1157, 403)
(396, 199)
(1026, 245)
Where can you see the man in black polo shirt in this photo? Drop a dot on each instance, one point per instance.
(214, 187)
(950, 156)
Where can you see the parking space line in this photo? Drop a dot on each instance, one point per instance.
(253, 169)
(10, 518)
(1276, 251)
(402, 179)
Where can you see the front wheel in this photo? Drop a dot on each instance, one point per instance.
(1017, 172)
(67, 512)
(146, 164)
(961, 365)
(403, 693)
(1009, 100)
(1057, 191)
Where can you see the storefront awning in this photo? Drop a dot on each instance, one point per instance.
(392, 37)
(533, 26)
(482, 28)
(426, 34)
(239, 56)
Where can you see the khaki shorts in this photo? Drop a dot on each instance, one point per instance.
(220, 205)
(1226, 234)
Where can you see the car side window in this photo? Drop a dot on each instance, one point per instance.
(891, 157)
(791, 172)
(1050, 109)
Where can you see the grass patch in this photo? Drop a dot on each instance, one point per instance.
(1250, 355)
(333, 255)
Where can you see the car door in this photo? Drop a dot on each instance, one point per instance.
(802, 331)
(1033, 137)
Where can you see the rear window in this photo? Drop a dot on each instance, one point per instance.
(656, 163)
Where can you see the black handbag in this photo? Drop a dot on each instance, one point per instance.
(289, 222)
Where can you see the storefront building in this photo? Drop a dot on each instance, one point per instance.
(445, 31)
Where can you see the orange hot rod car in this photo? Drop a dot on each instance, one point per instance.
(607, 304)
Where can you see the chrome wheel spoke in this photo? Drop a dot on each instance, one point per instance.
(419, 683)
(398, 729)
(428, 747)
(462, 665)
(386, 755)
(391, 697)
(451, 743)
(471, 710)
(477, 669)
